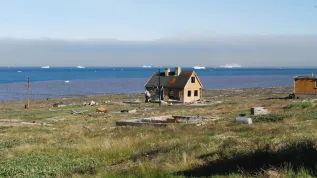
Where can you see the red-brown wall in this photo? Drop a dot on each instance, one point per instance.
(305, 86)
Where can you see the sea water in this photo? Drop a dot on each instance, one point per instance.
(49, 83)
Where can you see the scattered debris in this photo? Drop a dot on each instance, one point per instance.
(107, 102)
(206, 103)
(244, 120)
(198, 104)
(212, 118)
(60, 104)
(160, 120)
(259, 111)
(290, 96)
(128, 111)
(56, 119)
(17, 122)
(148, 109)
(137, 101)
(92, 103)
(200, 124)
(10, 120)
(33, 123)
(101, 110)
(78, 112)
(164, 102)
(51, 109)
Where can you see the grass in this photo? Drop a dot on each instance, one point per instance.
(301, 105)
(271, 117)
(282, 143)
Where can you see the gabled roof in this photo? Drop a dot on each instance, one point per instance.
(170, 81)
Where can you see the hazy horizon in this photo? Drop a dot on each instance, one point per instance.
(248, 51)
(262, 33)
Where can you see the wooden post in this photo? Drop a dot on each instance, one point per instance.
(159, 87)
(28, 105)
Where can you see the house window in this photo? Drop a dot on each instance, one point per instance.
(189, 93)
(193, 79)
(196, 93)
(315, 84)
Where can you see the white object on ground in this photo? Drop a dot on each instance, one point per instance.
(244, 120)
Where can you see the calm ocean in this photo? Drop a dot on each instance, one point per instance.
(48, 83)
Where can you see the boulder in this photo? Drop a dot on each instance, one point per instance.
(101, 110)
(92, 103)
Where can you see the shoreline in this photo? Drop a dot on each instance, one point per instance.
(58, 88)
(260, 90)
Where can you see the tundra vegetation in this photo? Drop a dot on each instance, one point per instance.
(52, 142)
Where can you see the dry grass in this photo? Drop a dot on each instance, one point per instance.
(90, 144)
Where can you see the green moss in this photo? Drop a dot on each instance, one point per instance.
(300, 105)
(47, 166)
(271, 117)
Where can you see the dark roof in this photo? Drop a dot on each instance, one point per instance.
(170, 81)
(306, 77)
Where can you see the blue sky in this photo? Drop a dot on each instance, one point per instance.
(140, 20)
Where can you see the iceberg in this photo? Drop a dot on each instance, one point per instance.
(231, 66)
(199, 67)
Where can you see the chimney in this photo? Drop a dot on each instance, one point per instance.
(167, 71)
(177, 71)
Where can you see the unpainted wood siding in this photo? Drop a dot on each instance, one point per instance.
(305, 86)
(192, 87)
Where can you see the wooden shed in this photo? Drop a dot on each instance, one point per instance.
(305, 85)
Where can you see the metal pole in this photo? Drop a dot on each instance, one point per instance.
(159, 86)
(28, 106)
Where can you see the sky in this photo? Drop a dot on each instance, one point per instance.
(131, 22)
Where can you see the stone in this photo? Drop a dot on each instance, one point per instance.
(92, 103)
(101, 110)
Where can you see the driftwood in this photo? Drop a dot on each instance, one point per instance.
(160, 121)
(78, 112)
(128, 111)
(33, 123)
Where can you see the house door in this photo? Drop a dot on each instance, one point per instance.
(181, 95)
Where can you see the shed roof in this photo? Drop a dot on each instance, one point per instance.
(305, 77)
(170, 81)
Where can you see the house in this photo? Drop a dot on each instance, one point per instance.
(177, 86)
(305, 86)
